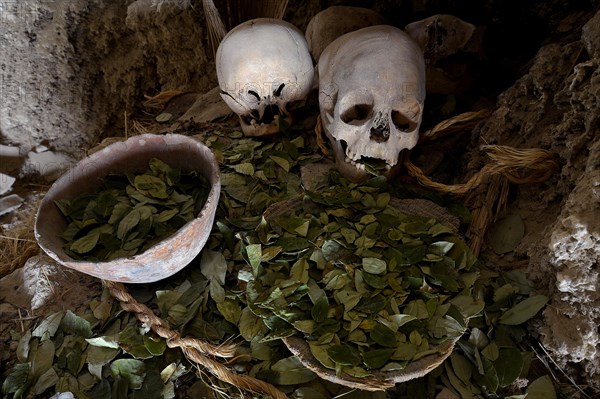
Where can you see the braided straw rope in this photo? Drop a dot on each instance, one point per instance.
(519, 166)
(195, 350)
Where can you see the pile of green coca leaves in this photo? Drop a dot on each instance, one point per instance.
(104, 352)
(132, 212)
(368, 287)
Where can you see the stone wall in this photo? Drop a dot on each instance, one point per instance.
(70, 69)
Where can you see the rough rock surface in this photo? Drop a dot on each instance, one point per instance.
(562, 216)
(70, 69)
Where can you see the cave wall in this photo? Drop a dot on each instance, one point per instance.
(69, 70)
(555, 105)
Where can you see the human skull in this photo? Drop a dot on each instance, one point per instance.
(371, 95)
(333, 22)
(264, 70)
(451, 48)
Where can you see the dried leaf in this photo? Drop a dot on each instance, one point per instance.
(131, 370)
(86, 243)
(244, 168)
(383, 336)
(376, 359)
(71, 323)
(45, 381)
(23, 347)
(541, 388)
(320, 309)
(42, 358)
(374, 266)
(523, 310)
(213, 266)
(505, 234)
(508, 365)
(344, 355)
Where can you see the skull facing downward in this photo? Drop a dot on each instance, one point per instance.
(264, 71)
(371, 95)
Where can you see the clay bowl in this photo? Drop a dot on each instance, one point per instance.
(377, 380)
(166, 257)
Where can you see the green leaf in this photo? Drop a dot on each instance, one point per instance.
(63, 205)
(97, 357)
(508, 365)
(45, 381)
(23, 347)
(293, 244)
(213, 266)
(541, 388)
(440, 248)
(320, 309)
(308, 393)
(468, 306)
(154, 345)
(152, 387)
(348, 298)
(128, 223)
(244, 168)
(17, 380)
(42, 358)
(375, 281)
(344, 355)
(405, 351)
(383, 336)
(305, 326)
(74, 324)
(461, 366)
(374, 265)
(164, 117)
(131, 370)
(167, 215)
(489, 378)
(49, 325)
(231, 310)
(523, 310)
(86, 243)
(377, 358)
(321, 354)
(132, 342)
(506, 233)
(400, 319)
(291, 372)
(151, 186)
(250, 325)
(284, 163)
(254, 253)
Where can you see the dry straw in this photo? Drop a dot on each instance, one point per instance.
(18, 244)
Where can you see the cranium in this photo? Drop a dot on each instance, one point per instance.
(371, 95)
(264, 70)
(451, 47)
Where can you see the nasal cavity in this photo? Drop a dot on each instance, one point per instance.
(269, 115)
(380, 134)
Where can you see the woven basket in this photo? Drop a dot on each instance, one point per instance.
(376, 381)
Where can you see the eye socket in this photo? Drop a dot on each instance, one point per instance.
(255, 94)
(357, 114)
(403, 122)
(277, 92)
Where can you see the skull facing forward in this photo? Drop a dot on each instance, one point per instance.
(371, 95)
(264, 71)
